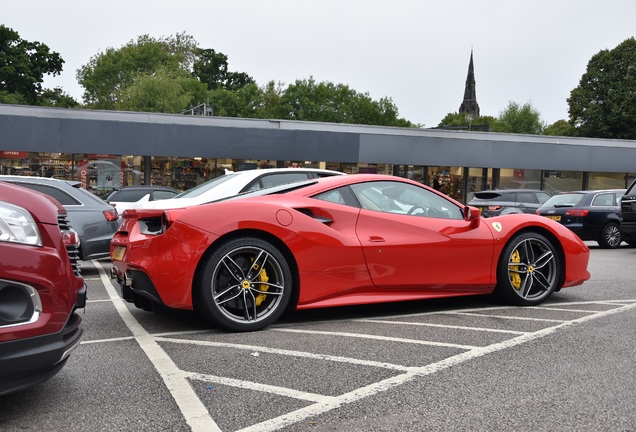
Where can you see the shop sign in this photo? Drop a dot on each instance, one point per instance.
(13, 155)
(101, 156)
(83, 173)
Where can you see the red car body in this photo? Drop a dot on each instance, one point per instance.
(40, 289)
(338, 254)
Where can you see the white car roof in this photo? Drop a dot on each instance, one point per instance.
(221, 187)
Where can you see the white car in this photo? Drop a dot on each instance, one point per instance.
(234, 183)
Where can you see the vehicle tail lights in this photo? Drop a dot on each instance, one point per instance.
(577, 212)
(111, 215)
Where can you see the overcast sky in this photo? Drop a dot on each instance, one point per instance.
(414, 51)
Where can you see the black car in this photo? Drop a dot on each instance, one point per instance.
(592, 215)
(501, 202)
(628, 214)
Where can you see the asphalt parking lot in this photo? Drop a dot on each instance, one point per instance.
(457, 364)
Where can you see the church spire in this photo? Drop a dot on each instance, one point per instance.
(469, 105)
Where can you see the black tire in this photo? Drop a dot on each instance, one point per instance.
(611, 237)
(528, 270)
(245, 286)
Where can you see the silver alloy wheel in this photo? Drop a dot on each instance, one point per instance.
(612, 235)
(532, 269)
(247, 284)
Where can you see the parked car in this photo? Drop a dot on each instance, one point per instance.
(94, 220)
(501, 202)
(628, 214)
(40, 288)
(132, 196)
(335, 241)
(234, 183)
(592, 215)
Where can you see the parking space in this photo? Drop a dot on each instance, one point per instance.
(170, 371)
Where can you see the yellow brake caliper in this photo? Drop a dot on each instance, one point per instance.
(262, 277)
(515, 278)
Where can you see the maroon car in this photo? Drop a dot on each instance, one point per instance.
(40, 288)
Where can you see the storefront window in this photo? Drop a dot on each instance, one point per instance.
(510, 178)
(607, 180)
(562, 181)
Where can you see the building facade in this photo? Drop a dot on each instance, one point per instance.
(107, 149)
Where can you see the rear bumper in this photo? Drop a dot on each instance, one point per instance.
(26, 362)
(629, 230)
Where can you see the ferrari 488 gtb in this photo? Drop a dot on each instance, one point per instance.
(341, 240)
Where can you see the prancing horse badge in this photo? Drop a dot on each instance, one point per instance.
(497, 226)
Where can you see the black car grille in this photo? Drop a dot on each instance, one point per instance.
(73, 252)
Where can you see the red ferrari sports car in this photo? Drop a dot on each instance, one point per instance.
(342, 240)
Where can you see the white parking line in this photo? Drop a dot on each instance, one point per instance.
(195, 413)
(280, 391)
(303, 354)
(506, 317)
(448, 326)
(382, 338)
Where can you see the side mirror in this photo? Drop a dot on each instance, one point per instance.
(472, 215)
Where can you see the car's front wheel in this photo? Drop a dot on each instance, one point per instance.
(610, 237)
(245, 285)
(528, 270)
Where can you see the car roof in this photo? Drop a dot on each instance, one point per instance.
(36, 179)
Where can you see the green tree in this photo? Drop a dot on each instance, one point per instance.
(336, 103)
(165, 90)
(23, 65)
(108, 74)
(212, 69)
(521, 119)
(560, 128)
(461, 121)
(604, 103)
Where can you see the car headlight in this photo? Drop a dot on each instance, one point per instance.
(17, 225)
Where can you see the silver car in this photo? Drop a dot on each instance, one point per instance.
(92, 218)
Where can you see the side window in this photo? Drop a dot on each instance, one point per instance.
(526, 197)
(404, 198)
(342, 195)
(603, 200)
(159, 195)
(543, 197)
(276, 180)
(509, 197)
(282, 178)
(58, 194)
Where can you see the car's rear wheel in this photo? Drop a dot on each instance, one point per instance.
(611, 236)
(245, 286)
(528, 270)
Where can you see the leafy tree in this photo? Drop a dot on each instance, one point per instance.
(212, 68)
(560, 128)
(604, 103)
(336, 103)
(166, 91)
(108, 74)
(521, 119)
(23, 65)
(461, 121)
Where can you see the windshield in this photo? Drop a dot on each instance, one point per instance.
(204, 187)
(564, 200)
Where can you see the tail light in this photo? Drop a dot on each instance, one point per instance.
(577, 212)
(111, 215)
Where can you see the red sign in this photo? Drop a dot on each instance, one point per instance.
(101, 156)
(83, 173)
(13, 155)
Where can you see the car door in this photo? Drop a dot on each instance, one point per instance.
(433, 249)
